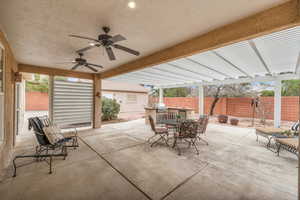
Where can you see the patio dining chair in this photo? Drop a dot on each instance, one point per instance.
(203, 122)
(162, 132)
(45, 149)
(188, 132)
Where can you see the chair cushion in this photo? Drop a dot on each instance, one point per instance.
(270, 131)
(68, 134)
(161, 130)
(291, 142)
(53, 134)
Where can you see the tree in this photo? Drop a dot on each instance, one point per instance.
(39, 84)
(176, 92)
(289, 88)
(267, 93)
(110, 109)
(230, 90)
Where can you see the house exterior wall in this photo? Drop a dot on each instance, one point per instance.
(7, 144)
(129, 109)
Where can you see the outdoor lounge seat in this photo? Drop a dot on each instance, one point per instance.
(289, 144)
(45, 149)
(271, 132)
(162, 132)
(70, 135)
(268, 133)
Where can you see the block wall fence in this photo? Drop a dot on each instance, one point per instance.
(238, 106)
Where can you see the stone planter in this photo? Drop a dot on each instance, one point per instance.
(234, 121)
(223, 119)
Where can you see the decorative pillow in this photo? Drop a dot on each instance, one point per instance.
(53, 133)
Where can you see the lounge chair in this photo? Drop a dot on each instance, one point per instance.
(45, 149)
(289, 144)
(268, 133)
(70, 135)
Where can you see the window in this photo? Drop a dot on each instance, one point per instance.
(1, 93)
(131, 99)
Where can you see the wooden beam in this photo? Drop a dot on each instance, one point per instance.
(53, 71)
(274, 19)
(97, 108)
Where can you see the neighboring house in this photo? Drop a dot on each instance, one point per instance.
(131, 97)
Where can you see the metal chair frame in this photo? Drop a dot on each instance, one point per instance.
(47, 122)
(44, 149)
(188, 131)
(163, 135)
(203, 122)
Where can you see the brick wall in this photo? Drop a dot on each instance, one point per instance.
(36, 101)
(239, 106)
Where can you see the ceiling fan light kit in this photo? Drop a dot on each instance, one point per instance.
(106, 41)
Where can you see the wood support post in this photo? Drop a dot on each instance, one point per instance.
(97, 108)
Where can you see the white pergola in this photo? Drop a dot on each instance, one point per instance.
(274, 57)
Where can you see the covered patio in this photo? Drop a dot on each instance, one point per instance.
(116, 162)
(255, 43)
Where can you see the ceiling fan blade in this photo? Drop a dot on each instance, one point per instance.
(67, 62)
(110, 53)
(91, 68)
(83, 37)
(94, 65)
(117, 46)
(75, 66)
(117, 38)
(85, 48)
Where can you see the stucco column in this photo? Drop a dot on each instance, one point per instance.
(277, 104)
(161, 98)
(201, 99)
(97, 108)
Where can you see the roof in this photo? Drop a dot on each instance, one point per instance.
(38, 30)
(266, 58)
(122, 87)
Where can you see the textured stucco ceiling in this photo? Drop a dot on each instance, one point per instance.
(38, 29)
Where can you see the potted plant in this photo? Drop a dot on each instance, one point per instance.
(223, 119)
(234, 121)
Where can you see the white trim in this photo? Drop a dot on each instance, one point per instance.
(230, 63)
(235, 81)
(201, 99)
(258, 54)
(277, 103)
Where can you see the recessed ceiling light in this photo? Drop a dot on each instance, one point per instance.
(131, 4)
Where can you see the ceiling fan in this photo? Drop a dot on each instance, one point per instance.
(106, 41)
(79, 61)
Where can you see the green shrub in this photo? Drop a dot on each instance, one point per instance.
(110, 109)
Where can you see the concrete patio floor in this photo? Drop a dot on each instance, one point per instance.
(115, 162)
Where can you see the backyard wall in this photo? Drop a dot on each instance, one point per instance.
(36, 101)
(238, 106)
